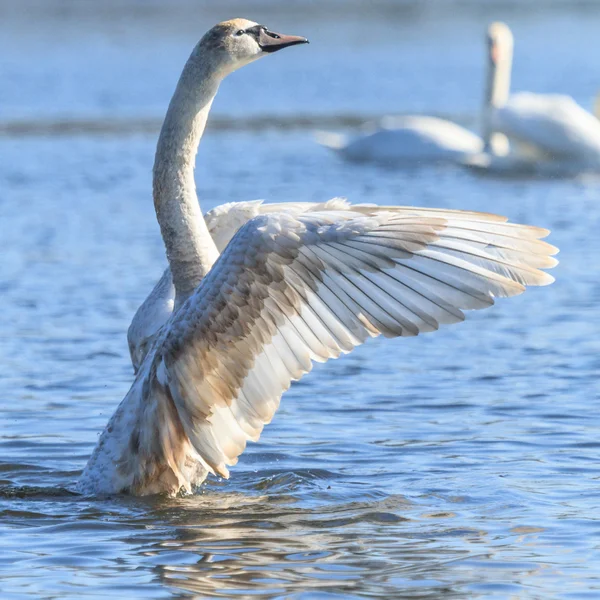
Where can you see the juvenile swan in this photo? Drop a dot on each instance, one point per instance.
(288, 289)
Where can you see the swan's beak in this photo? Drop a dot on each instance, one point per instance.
(270, 41)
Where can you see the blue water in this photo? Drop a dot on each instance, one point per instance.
(457, 464)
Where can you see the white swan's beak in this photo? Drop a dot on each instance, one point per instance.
(270, 41)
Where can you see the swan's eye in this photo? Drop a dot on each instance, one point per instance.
(240, 32)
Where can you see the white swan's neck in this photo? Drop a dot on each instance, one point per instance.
(190, 249)
(497, 91)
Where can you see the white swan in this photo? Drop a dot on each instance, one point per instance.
(550, 134)
(411, 139)
(286, 291)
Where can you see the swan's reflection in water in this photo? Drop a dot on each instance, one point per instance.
(230, 544)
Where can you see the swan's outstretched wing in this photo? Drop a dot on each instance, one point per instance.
(554, 124)
(289, 290)
(223, 222)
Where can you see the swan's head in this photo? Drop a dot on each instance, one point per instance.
(233, 44)
(500, 42)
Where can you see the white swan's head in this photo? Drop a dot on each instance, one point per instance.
(500, 42)
(233, 44)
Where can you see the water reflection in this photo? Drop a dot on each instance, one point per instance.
(230, 544)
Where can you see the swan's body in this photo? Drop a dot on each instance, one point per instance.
(554, 125)
(411, 140)
(289, 289)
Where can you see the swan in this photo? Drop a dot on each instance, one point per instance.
(410, 139)
(288, 289)
(551, 133)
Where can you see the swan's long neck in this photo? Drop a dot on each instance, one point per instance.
(497, 90)
(190, 249)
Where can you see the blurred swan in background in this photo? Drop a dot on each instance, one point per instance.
(549, 134)
(290, 287)
(553, 125)
(411, 139)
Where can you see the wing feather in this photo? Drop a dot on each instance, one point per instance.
(292, 289)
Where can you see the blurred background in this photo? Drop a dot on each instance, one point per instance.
(461, 464)
(120, 59)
